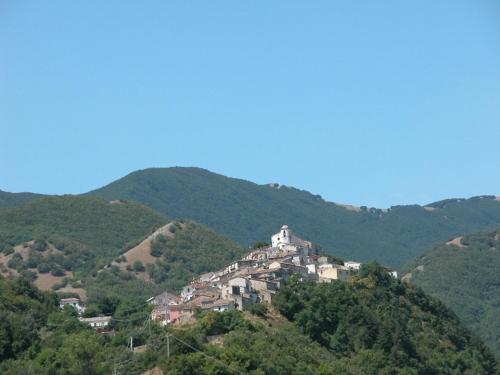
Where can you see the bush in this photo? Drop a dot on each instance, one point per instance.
(32, 262)
(16, 261)
(29, 275)
(156, 252)
(138, 266)
(216, 323)
(8, 250)
(55, 270)
(43, 268)
(259, 309)
(39, 245)
(260, 244)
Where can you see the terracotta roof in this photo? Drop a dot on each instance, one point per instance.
(69, 300)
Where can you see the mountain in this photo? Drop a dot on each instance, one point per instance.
(10, 200)
(464, 274)
(247, 212)
(373, 324)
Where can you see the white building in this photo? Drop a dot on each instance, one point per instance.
(285, 237)
(352, 265)
(73, 302)
(97, 321)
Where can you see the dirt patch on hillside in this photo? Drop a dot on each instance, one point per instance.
(142, 251)
(456, 241)
(406, 277)
(153, 371)
(45, 281)
(349, 207)
(429, 208)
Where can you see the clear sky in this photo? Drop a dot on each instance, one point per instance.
(363, 102)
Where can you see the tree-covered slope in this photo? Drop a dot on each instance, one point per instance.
(372, 325)
(11, 200)
(375, 324)
(190, 250)
(465, 275)
(248, 212)
(83, 231)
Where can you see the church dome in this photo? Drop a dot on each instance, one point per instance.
(284, 227)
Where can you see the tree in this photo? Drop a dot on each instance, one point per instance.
(43, 268)
(138, 266)
(259, 245)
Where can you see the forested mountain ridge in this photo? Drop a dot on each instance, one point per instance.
(11, 200)
(247, 212)
(372, 324)
(464, 274)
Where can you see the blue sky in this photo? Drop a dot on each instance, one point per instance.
(375, 103)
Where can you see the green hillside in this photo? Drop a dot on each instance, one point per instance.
(11, 200)
(248, 212)
(372, 325)
(466, 277)
(191, 250)
(49, 238)
(85, 231)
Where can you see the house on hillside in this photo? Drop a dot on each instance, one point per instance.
(353, 265)
(99, 323)
(239, 291)
(74, 303)
(332, 272)
(164, 299)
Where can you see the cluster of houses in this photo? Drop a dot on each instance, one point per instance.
(254, 278)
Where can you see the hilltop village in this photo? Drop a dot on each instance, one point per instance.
(252, 279)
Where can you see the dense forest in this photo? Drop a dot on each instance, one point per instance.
(373, 324)
(247, 212)
(12, 200)
(465, 275)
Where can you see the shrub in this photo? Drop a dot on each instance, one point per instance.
(156, 250)
(39, 245)
(138, 266)
(259, 309)
(16, 261)
(29, 275)
(43, 268)
(55, 270)
(8, 250)
(32, 262)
